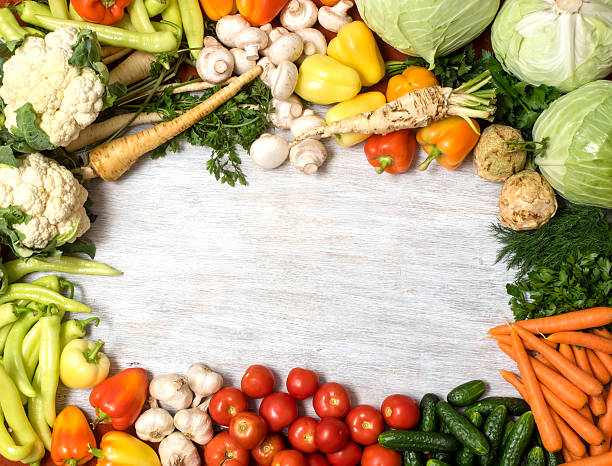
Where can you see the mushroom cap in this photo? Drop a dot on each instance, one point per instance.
(228, 28)
(287, 47)
(269, 151)
(286, 78)
(299, 14)
(494, 160)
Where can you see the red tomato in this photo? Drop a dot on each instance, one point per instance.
(331, 435)
(289, 458)
(265, 451)
(375, 455)
(225, 404)
(248, 429)
(317, 459)
(365, 424)
(302, 383)
(187, 72)
(400, 411)
(331, 400)
(223, 448)
(301, 434)
(279, 410)
(348, 456)
(257, 381)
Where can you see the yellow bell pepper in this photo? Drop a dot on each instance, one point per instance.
(323, 80)
(355, 46)
(82, 365)
(121, 449)
(362, 103)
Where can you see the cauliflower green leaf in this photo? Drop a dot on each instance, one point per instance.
(7, 157)
(9, 216)
(86, 50)
(27, 135)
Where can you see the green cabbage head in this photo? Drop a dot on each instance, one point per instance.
(560, 43)
(577, 161)
(428, 28)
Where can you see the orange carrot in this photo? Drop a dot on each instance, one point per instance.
(588, 340)
(599, 369)
(551, 437)
(508, 341)
(605, 425)
(566, 351)
(585, 382)
(602, 460)
(567, 456)
(577, 320)
(543, 360)
(586, 413)
(605, 359)
(602, 332)
(596, 403)
(558, 384)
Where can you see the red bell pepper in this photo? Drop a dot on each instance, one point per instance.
(120, 398)
(391, 153)
(260, 12)
(72, 438)
(101, 11)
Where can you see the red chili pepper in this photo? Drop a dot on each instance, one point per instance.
(392, 152)
(101, 11)
(120, 398)
(72, 438)
(260, 12)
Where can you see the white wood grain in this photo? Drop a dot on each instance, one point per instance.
(384, 283)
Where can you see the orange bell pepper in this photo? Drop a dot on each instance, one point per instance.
(217, 9)
(449, 141)
(121, 449)
(260, 12)
(329, 2)
(100, 11)
(413, 77)
(72, 438)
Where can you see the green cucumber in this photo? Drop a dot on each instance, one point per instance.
(507, 431)
(465, 457)
(535, 457)
(403, 440)
(429, 420)
(462, 429)
(553, 458)
(515, 406)
(493, 430)
(467, 393)
(518, 440)
(475, 418)
(434, 462)
(443, 456)
(413, 458)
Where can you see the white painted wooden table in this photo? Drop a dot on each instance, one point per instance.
(383, 283)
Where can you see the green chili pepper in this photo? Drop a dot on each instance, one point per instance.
(39, 294)
(49, 363)
(9, 313)
(193, 25)
(9, 27)
(13, 358)
(73, 329)
(4, 333)
(36, 413)
(8, 448)
(18, 268)
(140, 16)
(16, 418)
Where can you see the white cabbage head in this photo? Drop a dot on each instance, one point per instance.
(428, 28)
(560, 43)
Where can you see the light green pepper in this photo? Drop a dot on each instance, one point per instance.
(13, 358)
(8, 448)
(140, 16)
(42, 295)
(4, 333)
(9, 313)
(36, 413)
(49, 363)
(9, 27)
(73, 329)
(18, 268)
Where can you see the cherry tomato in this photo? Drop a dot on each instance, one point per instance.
(400, 411)
(225, 404)
(302, 383)
(257, 381)
(248, 429)
(289, 458)
(348, 456)
(375, 455)
(301, 434)
(279, 410)
(331, 435)
(317, 459)
(331, 400)
(265, 451)
(365, 424)
(223, 448)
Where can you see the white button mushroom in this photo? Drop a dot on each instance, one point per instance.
(288, 47)
(268, 73)
(333, 18)
(215, 64)
(306, 122)
(241, 63)
(286, 111)
(314, 42)
(299, 14)
(284, 80)
(171, 390)
(269, 151)
(177, 450)
(252, 40)
(308, 156)
(229, 27)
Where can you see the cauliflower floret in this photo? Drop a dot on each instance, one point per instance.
(66, 98)
(48, 192)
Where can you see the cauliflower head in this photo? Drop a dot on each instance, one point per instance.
(66, 98)
(50, 194)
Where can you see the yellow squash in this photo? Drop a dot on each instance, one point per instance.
(362, 103)
(323, 80)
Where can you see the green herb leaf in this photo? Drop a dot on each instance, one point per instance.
(30, 138)
(7, 157)
(113, 92)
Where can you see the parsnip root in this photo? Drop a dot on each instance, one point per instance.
(132, 69)
(114, 158)
(107, 51)
(116, 56)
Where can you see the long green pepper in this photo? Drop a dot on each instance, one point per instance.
(36, 413)
(73, 329)
(9, 27)
(19, 268)
(42, 295)
(49, 363)
(9, 313)
(13, 357)
(193, 25)
(8, 448)
(4, 333)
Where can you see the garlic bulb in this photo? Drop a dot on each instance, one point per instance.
(195, 424)
(154, 424)
(177, 450)
(203, 381)
(172, 390)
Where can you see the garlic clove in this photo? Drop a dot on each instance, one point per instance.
(154, 425)
(178, 450)
(172, 390)
(203, 381)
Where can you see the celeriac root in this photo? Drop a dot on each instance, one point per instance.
(114, 158)
(416, 109)
(107, 128)
(132, 69)
(116, 56)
